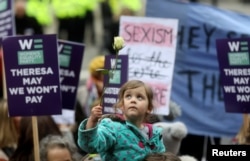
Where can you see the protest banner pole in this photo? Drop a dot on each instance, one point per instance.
(35, 138)
(3, 75)
(4, 83)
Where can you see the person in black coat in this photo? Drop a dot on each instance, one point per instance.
(25, 25)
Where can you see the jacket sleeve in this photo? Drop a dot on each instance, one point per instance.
(98, 139)
(160, 147)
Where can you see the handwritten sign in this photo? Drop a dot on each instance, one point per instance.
(234, 63)
(7, 26)
(32, 75)
(113, 82)
(70, 59)
(151, 46)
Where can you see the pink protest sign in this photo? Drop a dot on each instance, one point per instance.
(150, 44)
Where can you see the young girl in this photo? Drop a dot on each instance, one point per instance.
(127, 138)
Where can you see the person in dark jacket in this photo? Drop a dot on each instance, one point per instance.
(25, 25)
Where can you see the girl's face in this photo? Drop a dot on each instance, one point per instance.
(135, 104)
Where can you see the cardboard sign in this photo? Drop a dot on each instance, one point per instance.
(234, 63)
(70, 59)
(32, 75)
(151, 45)
(119, 68)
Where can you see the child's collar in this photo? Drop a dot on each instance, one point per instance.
(114, 117)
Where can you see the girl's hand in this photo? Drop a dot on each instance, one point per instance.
(96, 114)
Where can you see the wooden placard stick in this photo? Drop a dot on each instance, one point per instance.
(245, 124)
(35, 138)
(3, 74)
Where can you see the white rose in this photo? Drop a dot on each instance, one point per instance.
(118, 43)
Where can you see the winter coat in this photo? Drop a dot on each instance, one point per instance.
(119, 140)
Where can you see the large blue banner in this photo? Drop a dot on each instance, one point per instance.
(196, 81)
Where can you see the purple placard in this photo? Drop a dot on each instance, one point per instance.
(7, 26)
(114, 83)
(234, 63)
(32, 75)
(70, 56)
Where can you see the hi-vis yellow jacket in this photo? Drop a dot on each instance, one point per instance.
(42, 10)
(73, 8)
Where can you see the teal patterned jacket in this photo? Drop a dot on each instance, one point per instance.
(119, 141)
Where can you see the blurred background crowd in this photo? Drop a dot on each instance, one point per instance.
(94, 23)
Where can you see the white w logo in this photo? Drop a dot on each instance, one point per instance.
(234, 46)
(25, 44)
(112, 62)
